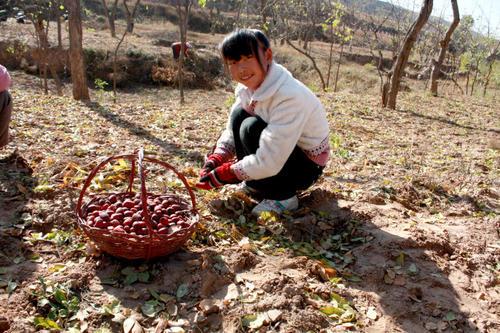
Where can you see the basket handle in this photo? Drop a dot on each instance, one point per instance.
(144, 197)
(95, 171)
(179, 175)
(132, 157)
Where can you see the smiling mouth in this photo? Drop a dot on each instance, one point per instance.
(246, 77)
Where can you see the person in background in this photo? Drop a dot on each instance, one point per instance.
(176, 49)
(5, 106)
(276, 137)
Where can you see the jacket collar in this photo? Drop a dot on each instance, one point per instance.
(274, 79)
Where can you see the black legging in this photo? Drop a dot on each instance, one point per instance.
(298, 173)
(5, 115)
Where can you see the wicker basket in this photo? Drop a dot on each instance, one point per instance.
(134, 246)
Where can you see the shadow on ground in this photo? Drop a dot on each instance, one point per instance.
(401, 274)
(144, 133)
(16, 188)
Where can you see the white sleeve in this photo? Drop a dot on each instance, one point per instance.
(277, 140)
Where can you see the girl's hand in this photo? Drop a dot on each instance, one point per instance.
(218, 177)
(211, 162)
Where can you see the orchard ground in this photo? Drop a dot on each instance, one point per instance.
(399, 234)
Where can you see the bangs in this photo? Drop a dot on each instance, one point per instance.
(239, 43)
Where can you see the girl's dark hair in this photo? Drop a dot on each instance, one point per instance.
(243, 42)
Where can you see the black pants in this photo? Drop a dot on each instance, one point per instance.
(5, 115)
(298, 173)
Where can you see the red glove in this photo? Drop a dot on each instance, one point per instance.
(211, 162)
(218, 177)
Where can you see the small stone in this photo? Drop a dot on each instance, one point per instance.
(177, 323)
(442, 325)
(208, 306)
(274, 315)
(431, 326)
(175, 330)
(436, 313)
(399, 281)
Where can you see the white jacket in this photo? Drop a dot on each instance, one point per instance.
(294, 116)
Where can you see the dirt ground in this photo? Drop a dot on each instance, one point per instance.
(400, 233)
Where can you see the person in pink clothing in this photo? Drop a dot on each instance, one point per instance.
(5, 106)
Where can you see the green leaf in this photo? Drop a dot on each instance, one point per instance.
(11, 286)
(413, 269)
(254, 321)
(330, 310)
(151, 308)
(182, 290)
(247, 319)
(450, 316)
(143, 276)
(57, 268)
(155, 294)
(112, 308)
(60, 295)
(128, 270)
(339, 299)
(18, 260)
(131, 278)
(401, 259)
(45, 323)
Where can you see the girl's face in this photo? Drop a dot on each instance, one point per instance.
(248, 71)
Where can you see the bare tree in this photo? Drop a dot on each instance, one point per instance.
(131, 15)
(490, 60)
(183, 8)
(44, 60)
(111, 16)
(436, 68)
(295, 27)
(115, 61)
(78, 73)
(391, 88)
(40, 13)
(375, 44)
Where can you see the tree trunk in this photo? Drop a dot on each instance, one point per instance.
(491, 59)
(475, 79)
(78, 74)
(46, 63)
(59, 32)
(183, 8)
(130, 15)
(111, 17)
(467, 82)
(115, 71)
(402, 58)
(338, 67)
(330, 58)
(436, 68)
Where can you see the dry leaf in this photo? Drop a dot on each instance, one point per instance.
(131, 325)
